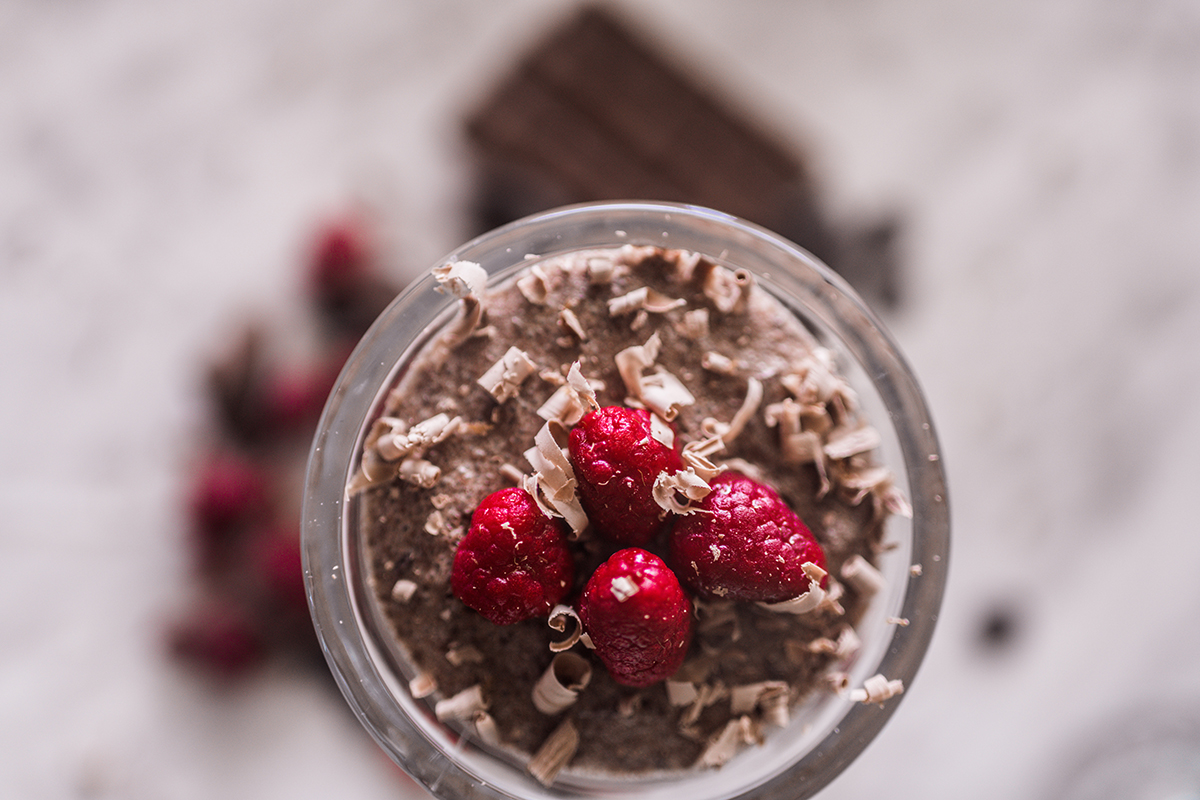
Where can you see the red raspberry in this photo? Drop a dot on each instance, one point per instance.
(340, 259)
(221, 637)
(513, 564)
(278, 569)
(229, 490)
(616, 461)
(294, 399)
(343, 278)
(637, 616)
(744, 544)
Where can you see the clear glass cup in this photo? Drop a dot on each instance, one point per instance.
(827, 732)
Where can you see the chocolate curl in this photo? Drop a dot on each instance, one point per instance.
(504, 378)
(462, 706)
(561, 683)
(877, 689)
(555, 753)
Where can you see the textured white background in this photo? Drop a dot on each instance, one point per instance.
(162, 164)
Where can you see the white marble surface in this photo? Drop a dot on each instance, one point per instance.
(162, 164)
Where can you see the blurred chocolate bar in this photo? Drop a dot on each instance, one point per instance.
(596, 112)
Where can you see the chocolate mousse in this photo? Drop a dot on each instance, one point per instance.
(735, 381)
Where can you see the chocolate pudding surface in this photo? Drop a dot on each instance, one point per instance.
(718, 330)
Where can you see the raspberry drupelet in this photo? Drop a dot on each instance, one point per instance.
(616, 460)
(744, 543)
(638, 617)
(513, 564)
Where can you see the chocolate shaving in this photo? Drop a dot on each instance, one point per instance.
(403, 590)
(561, 683)
(419, 472)
(562, 406)
(817, 383)
(467, 281)
(735, 734)
(511, 474)
(623, 588)
(695, 456)
(862, 575)
(436, 524)
(685, 263)
(548, 459)
(466, 325)
(876, 689)
(892, 501)
(706, 695)
(533, 285)
(730, 431)
(586, 388)
(553, 483)
(568, 509)
(633, 360)
(859, 482)
(571, 400)
(661, 392)
(422, 685)
(846, 442)
(634, 255)
(504, 378)
(838, 681)
(464, 654)
(389, 440)
(694, 325)
(729, 291)
(382, 438)
(420, 437)
(833, 595)
(600, 270)
(681, 693)
(769, 697)
(745, 699)
(822, 645)
(664, 394)
(570, 321)
(555, 753)
(848, 643)
(715, 362)
(643, 299)
(552, 377)
(662, 432)
(462, 706)
(717, 626)
(461, 278)
(486, 728)
(798, 446)
(810, 600)
(559, 616)
(675, 492)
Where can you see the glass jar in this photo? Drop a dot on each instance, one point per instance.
(827, 732)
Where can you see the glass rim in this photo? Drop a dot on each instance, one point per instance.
(328, 568)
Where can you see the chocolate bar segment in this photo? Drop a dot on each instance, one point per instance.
(596, 112)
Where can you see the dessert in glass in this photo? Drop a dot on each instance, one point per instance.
(625, 500)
